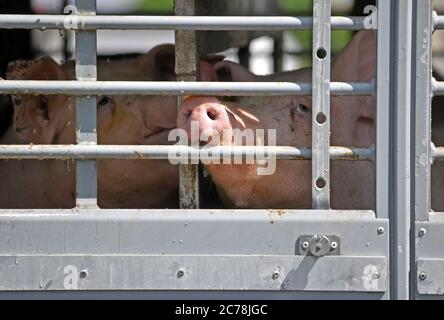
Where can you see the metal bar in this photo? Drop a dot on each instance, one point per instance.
(437, 154)
(437, 87)
(177, 88)
(382, 109)
(86, 108)
(438, 21)
(382, 130)
(86, 22)
(422, 108)
(321, 104)
(401, 141)
(187, 69)
(423, 148)
(176, 152)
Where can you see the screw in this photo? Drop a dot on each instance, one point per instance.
(381, 230)
(275, 275)
(422, 276)
(376, 275)
(305, 245)
(334, 245)
(422, 232)
(180, 273)
(83, 274)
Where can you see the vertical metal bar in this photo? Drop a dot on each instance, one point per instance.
(422, 107)
(383, 102)
(86, 110)
(401, 139)
(422, 99)
(321, 104)
(383, 109)
(187, 69)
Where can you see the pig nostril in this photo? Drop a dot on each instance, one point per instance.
(211, 115)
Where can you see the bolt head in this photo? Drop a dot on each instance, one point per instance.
(381, 230)
(422, 276)
(305, 245)
(180, 273)
(334, 245)
(422, 232)
(275, 275)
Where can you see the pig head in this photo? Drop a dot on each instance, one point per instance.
(133, 120)
(352, 125)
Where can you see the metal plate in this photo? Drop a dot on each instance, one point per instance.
(203, 272)
(243, 232)
(430, 276)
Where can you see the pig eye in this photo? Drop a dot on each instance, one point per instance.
(303, 108)
(104, 101)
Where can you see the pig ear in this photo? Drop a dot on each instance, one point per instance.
(33, 120)
(357, 61)
(160, 62)
(227, 71)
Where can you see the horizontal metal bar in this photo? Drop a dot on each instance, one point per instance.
(438, 21)
(85, 22)
(437, 153)
(177, 88)
(437, 87)
(176, 152)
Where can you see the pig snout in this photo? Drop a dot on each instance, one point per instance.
(203, 118)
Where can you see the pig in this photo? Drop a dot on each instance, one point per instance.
(352, 125)
(133, 120)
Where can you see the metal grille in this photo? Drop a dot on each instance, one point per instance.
(122, 250)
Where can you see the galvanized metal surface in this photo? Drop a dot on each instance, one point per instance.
(175, 232)
(430, 276)
(176, 88)
(422, 56)
(86, 22)
(177, 152)
(382, 117)
(401, 140)
(86, 108)
(188, 272)
(321, 104)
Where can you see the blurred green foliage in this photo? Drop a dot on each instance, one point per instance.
(163, 6)
(289, 7)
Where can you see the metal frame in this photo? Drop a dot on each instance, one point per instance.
(426, 237)
(125, 245)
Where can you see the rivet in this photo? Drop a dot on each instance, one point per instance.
(422, 276)
(83, 274)
(180, 273)
(422, 232)
(381, 230)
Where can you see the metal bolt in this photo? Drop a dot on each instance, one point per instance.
(276, 275)
(422, 232)
(180, 273)
(422, 276)
(305, 245)
(381, 230)
(334, 245)
(83, 274)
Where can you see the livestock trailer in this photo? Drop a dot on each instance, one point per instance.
(392, 252)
